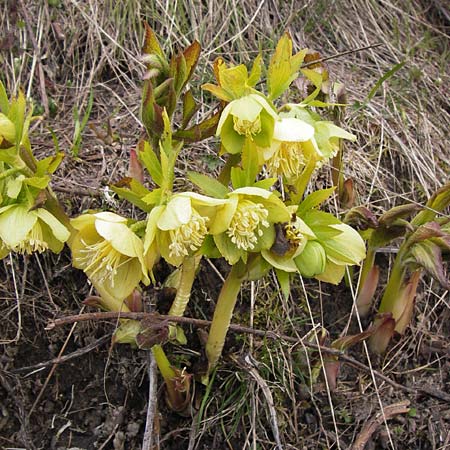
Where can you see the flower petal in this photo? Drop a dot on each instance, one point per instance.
(290, 129)
(178, 212)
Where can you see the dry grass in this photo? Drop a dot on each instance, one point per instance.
(401, 156)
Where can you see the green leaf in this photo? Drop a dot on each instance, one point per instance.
(313, 200)
(150, 161)
(209, 186)
(189, 108)
(191, 55)
(266, 183)
(250, 162)
(385, 77)
(38, 182)
(428, 255)
(255, 73)
(200, 131)
(151, 44)
(133, 191)
(437, 203)
(234, 79)
(283, 67)
(283, 279)
(49, 164)
(153, 197)
(4, 102)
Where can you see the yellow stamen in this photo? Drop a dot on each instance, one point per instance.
(295, 236)
(102, 260)
(287, 160)
(245, 227)
(188, 237)
(34, 242)
(247, 127)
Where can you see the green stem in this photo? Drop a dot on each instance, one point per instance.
(184, 287)
(367, 266)
(395, 283)
(175, 397)
(7, 173)
(222, 315)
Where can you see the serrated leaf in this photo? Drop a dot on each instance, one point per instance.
(219, 92)
(209, 186)
(131, 190)
(283, 67)
(234, 80)
(428, 255)
(151, 44)
(189, 108)
(255, 73)
(200, 131)
(38, 182)
(397, 212)
(150, 161)
(437, 203)
(191, 55)
(4, 101)
(314, 199)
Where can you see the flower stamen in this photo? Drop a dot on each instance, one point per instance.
(247, 127)
(245, 226)
(103, 259)
(188, 237)
(34, 242)
(287, 160)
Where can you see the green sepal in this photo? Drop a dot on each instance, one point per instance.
(312, 260)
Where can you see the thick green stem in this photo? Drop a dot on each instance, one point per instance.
(366, 267)
(184, 287)
(176, 398)
(395, 283)
(222, 315)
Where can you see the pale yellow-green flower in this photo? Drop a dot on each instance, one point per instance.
(250, 116)
(245, 224)
(179, 228)
(109, 252)
(292, 145)
(7, 131)
(291, 240)
(27, 231)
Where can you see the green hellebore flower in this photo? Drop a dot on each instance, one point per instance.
(342, 244)
(291, 241)
(246, 223)
(7, 130)
(250, 116)
(27, 231)
(109, 253)
(292, 145)
(180, 227)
